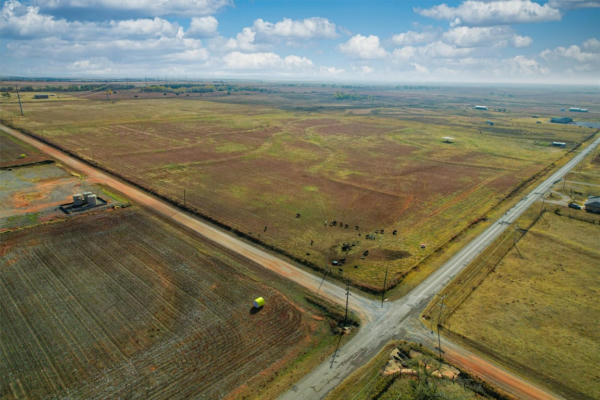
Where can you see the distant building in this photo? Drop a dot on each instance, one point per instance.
(593, 204)
(448, 139)
(482, 108)
(40, 96)
(559, 144)
(561, 120)
(577, 109)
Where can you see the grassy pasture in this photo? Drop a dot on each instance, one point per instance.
(123, 305)
(255, 167)
(537, 310)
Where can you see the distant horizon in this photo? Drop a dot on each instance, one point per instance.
(340, 82)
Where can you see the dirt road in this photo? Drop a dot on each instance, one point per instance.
(395, 320)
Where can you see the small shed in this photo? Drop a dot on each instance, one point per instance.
(481, 108)
(593, 204)
(559, 144)
(448, 139)
(259, 302)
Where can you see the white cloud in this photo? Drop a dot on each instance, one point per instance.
(297, 62)
(592, 44)
(573, 52)
(141, 7)
(496, 36)
(332, 70)
(365, 47)
(412, 37)
(521, 65)
(569, 4)
(264, 61)
(443, 50)
(202, 26)
(143, 27)
(26, 22)
(17, 20)
(521, 41)
(365, 69)
(404, 53)
(243, 41)
(473, 12)
(308, 28)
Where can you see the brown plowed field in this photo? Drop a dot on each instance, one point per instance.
(14, 154)
(122, 305)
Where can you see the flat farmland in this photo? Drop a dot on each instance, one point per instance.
(322, 186)
(13, 153)
(123, 305)
(537, 312)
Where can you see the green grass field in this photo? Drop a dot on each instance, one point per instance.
(334, 184)
(537, 311)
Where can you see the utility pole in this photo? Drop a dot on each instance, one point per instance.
(384, 284)
(20, 105)
(516, 240)
(438, 325)
(347, 296)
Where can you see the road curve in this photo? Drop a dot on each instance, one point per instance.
(394, 320)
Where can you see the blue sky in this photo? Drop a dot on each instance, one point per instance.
(546, 41)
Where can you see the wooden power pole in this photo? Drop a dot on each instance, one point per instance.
(20, 105)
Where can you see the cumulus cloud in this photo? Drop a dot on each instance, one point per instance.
(364, 47)
(496, 12)
(202, 26)
(412, 37)
(424, 54)
(264, 61)
(17, 20)
(569, 4)
(497, 36)
(143, 27)
(521, 65)
(308, 28)
(332, 70)
(521, 41)
(242, 41)
(592, 44)
(26, 22)
(573, 52)
(137, 7)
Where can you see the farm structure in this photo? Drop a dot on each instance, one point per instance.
(593, 204)
(139, 309)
